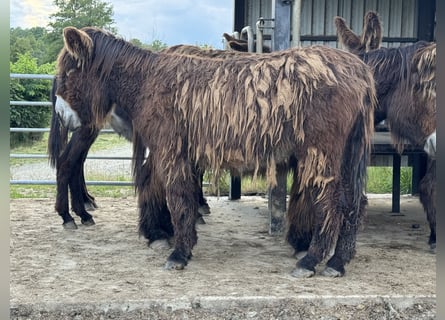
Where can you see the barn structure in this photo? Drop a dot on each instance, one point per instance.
(281, 24)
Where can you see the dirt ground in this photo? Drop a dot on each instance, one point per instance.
(238, 271)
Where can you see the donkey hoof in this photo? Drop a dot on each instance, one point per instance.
(331, 272)
(159, 245)
(200, 220)
(174, 265)
(89, 222)
(204, 209)
(90, 206)
(433, 247)
(302, 273)
(70, 225)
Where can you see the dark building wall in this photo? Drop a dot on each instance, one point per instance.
(404, 21)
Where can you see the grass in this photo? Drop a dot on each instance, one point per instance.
(379, 178)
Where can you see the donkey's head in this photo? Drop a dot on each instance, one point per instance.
(370, 39)
(81, 96)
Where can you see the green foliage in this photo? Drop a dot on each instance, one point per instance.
(29, 90)
(156, 45)
(78, 13)
(32, 41)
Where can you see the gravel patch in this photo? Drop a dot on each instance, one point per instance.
(106, 168)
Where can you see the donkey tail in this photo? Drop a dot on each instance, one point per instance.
(58, 134)
(358, 150)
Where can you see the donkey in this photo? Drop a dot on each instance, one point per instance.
(191, 111)
(68, 158)
(406, 92)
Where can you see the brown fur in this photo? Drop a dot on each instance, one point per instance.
(406, 93)
(313, 103)
(241, 44)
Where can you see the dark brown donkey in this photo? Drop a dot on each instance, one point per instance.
(314, 103)
(406, 91)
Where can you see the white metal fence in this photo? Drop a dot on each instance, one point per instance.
(47, 104)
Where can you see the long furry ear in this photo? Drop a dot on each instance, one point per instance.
(372, 31)
(78, 44)
(346, 36)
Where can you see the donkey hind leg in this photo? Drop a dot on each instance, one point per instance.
(327, 223)
(346, 242)
(182, 198)
(427, 196)
(299, 217)
(204, 208)
(77, 198)
(88, 200)
(154, 217)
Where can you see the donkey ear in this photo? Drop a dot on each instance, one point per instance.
(372, 31)
(346, 36)
(78, 43)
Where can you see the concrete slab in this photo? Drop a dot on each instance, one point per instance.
(238, 270)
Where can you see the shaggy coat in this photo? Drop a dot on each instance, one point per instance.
(406, 92)
(314, 103)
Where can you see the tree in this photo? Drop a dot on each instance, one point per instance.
(32, 41)
(78, 13)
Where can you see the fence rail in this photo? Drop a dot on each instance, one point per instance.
(47, 104)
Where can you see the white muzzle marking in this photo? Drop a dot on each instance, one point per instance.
(430, 145)
(69, 117)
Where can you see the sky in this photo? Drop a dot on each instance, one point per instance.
(196, 22)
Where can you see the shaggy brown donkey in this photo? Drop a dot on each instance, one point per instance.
(313, 103)
(406, 91)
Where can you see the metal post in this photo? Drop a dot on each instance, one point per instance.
(281, 12)
(259, 35)
(295, 23)
(396, 163)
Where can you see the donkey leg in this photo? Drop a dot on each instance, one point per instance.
(346, 242)
(327, 223)
(77, 198)
(299, 217)
(62, 200)
(182, 198)
(88, 200)
(154, 218)
(81, 141)
(204, 208)
(427, 196)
